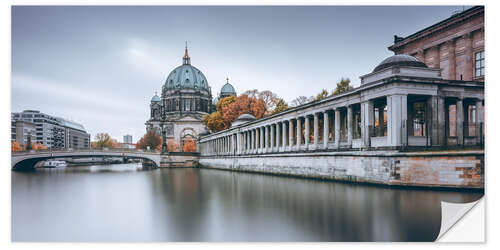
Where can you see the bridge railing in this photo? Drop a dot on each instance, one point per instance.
(103, 150)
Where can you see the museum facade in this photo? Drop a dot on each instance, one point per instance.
(185, 98)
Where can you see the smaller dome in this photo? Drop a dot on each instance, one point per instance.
(228, 89)
(155, 98)
(400, 60)
(215, 101)
(244, 118)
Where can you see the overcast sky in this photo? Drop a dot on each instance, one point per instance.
(100, 66)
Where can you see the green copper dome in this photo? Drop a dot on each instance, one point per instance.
(155, 98)
(228, 89)
(186, 76)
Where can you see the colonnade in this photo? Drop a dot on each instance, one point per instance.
(379, 122)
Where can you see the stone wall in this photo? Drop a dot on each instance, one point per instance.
(424, 169)
(179, 159)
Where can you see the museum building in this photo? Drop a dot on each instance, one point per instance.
(454, 45)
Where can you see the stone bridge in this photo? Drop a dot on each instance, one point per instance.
(28, 160)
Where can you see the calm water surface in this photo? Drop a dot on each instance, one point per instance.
(117, 203)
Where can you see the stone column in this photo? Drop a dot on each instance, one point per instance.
(396, 114)
(290, 134)
(306, 132)
(469, 58)
(438, 121)
(261, 142)
(316, 129)
(273, 130)
(284, 134)
(247, 141)
(255, 140)
(460, 122)
(367, 117)
(299, 133)
(479, 117)
(349, 125)
(451, 59)
(233, 144)
(252, 140)
(278, 136)
(326, 129)
(239, 143)
(337, 127)
(266, 138)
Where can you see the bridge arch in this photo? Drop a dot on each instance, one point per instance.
(27, 161)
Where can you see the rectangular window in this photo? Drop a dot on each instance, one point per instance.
(419, 121)
(380, 121)
(479, 64)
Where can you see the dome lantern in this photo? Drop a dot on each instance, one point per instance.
(186, 76)
(186, 60)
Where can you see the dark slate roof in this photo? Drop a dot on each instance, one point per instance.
(400, 60)
(454, 16)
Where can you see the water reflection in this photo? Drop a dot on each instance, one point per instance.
(124, 203)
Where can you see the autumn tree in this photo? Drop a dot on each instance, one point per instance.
(270, 100)
(173, 146)
(301, 100)
(229, 111)
(189, 145)
(321, 95)
(342, 86)
(224, 102)
(103, 140)
(243, 105)
(280, 106)
(15, 147)
(214, 121)
(151, 140)
(252, 93)
(38, 146)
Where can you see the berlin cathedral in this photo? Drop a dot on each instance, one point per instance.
(185, 98)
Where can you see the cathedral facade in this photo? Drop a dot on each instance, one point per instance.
(185, 98)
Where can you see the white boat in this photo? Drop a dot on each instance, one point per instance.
(54, 163)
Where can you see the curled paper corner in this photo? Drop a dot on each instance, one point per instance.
(451, 213)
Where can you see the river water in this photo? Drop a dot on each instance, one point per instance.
(124, 203)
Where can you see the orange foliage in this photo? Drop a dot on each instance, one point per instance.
(243, 105)
(103, 140)
(38, 146)
(150, 139)
(15, 147)
(173, 146)
(230, 108)
(189, 145)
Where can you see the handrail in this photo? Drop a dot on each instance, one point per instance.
(35, 152)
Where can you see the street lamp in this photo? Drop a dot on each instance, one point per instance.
(164, 149)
